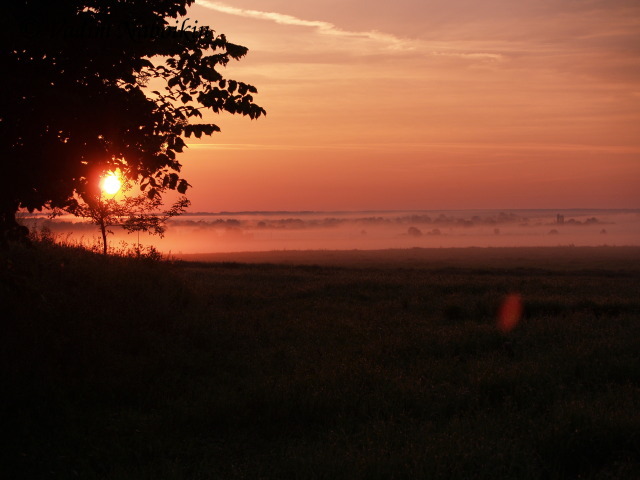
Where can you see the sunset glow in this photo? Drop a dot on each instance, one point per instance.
(422, 105)
(110, 183)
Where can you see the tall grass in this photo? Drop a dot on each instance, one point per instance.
(120, 368)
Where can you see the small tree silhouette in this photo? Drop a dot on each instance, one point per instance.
(133, 213)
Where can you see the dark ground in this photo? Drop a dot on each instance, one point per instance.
(321, 365)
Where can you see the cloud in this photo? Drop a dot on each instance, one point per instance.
(390, 41)
(324, 28)
(472, 56)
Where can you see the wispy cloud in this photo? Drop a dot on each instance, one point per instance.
(325, 28)
(387, 40)
(472, 55)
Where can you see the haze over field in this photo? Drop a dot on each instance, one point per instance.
(266, 231)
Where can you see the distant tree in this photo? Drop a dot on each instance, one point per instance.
(414, 232)
(91, 86)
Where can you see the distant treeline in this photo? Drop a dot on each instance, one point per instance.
(416, 219)
(442, 219)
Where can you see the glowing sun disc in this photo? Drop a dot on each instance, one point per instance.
(110, 184)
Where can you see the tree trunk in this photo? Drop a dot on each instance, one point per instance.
(103, 230)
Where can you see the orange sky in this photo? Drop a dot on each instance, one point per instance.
(420, 104)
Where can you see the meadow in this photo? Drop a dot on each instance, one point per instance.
(322, 364)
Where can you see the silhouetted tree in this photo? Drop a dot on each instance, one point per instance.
(96, 85)
(134, 213)
(414, 232)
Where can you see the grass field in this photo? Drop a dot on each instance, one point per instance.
(321, 365)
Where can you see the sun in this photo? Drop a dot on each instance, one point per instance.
(110, 183)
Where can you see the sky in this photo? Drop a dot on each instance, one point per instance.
(425, 104)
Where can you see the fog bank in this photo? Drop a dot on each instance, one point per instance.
(268, 231)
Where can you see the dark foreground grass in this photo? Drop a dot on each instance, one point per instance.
(121, 369)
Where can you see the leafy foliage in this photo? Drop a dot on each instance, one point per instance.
(79, 98)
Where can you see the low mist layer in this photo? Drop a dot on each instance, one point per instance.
(268, 231)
